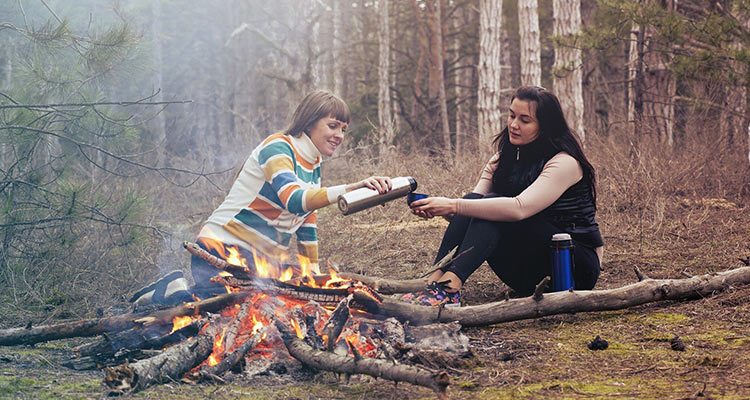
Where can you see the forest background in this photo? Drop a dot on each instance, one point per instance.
(122, 123)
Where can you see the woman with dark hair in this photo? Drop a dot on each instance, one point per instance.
(537, 184)
(274, 196)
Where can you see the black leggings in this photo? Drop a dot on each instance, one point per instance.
(518, 252)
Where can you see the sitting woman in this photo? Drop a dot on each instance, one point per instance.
(274, 196)
(538, 183)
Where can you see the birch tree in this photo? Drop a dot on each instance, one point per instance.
(528, 26)
(568, 75)
(384, 96)
(489, 119)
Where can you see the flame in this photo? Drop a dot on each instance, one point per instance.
(287, 274)
(180, 322)
(333, 281)
(264, 268)
(297, 328)
(218, 351)
(235, 258)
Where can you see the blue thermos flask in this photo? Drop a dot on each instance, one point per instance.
(562, 262)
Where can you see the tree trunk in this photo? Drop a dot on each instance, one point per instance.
(384, 95)
(489, 71)
(568, 77)
(463, 82)
(158, 123)
(636, 87)
(436, 77)
(338, 64)
(528, 26)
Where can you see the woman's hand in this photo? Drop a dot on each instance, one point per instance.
(380, 183)
(433, 206)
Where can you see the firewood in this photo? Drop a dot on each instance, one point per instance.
(109, 325)
(234, 328)
(236, 270)
(168, 366)
(229, 360)
(336, 322)
(387, 286)
(327, 361)
(646, 291)
(129, 345)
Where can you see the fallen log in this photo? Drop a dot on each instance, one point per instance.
(646, 291)
(168, 366)
(327, 361)
(108, 325)
(129, 345)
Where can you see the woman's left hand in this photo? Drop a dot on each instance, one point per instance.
(433, 207)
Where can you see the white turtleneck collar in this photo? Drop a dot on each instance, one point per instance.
(306, 148)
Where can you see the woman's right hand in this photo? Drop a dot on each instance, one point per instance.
(380, 183)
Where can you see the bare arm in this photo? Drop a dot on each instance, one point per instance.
(558, 174)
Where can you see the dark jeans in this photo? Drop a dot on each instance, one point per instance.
(518, 252)
(202, 272)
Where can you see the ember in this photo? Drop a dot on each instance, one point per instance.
(270, 306)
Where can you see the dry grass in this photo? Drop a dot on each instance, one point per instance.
(664, 212)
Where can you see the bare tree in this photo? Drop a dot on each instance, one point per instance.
(568, 75)
(384, 96)
(489, 72)
(436, 78)
(528, 25)
(463, 81)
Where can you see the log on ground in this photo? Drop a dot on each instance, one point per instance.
(170, 365)
(108, 325)
(646, 291)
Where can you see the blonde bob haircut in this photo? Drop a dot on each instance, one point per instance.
(316, 105)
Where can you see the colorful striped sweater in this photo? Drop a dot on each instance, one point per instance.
(274, 196)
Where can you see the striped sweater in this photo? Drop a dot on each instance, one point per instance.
(274, 196)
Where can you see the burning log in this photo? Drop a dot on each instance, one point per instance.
(236, 270)
(170, 365)
(387, 286)
(230, 360)
(108, 325)
(645, 291)
(327, 361)
(336, 322)
(128, 345)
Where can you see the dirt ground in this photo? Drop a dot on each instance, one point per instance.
(541, 358)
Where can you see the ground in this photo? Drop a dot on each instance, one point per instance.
(548, 357)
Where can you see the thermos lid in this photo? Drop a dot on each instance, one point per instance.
(560, 236)
(561, 241)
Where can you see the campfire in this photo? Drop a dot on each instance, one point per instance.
(277, 317)
(269, 313)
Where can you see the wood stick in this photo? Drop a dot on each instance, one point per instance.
(646, 291)
(129, 345)
(108, 325)
(170, 365)
(207, 372)
(387, 286)
(327, 361)
(336, 322)
(236, 270)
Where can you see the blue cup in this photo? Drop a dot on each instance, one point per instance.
(414, 196)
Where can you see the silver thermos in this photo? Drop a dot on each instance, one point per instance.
(364, 198)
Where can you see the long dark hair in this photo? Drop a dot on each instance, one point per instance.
(554, 135)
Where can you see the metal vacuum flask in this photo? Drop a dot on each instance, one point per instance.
(364, 198)
(562, 262)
